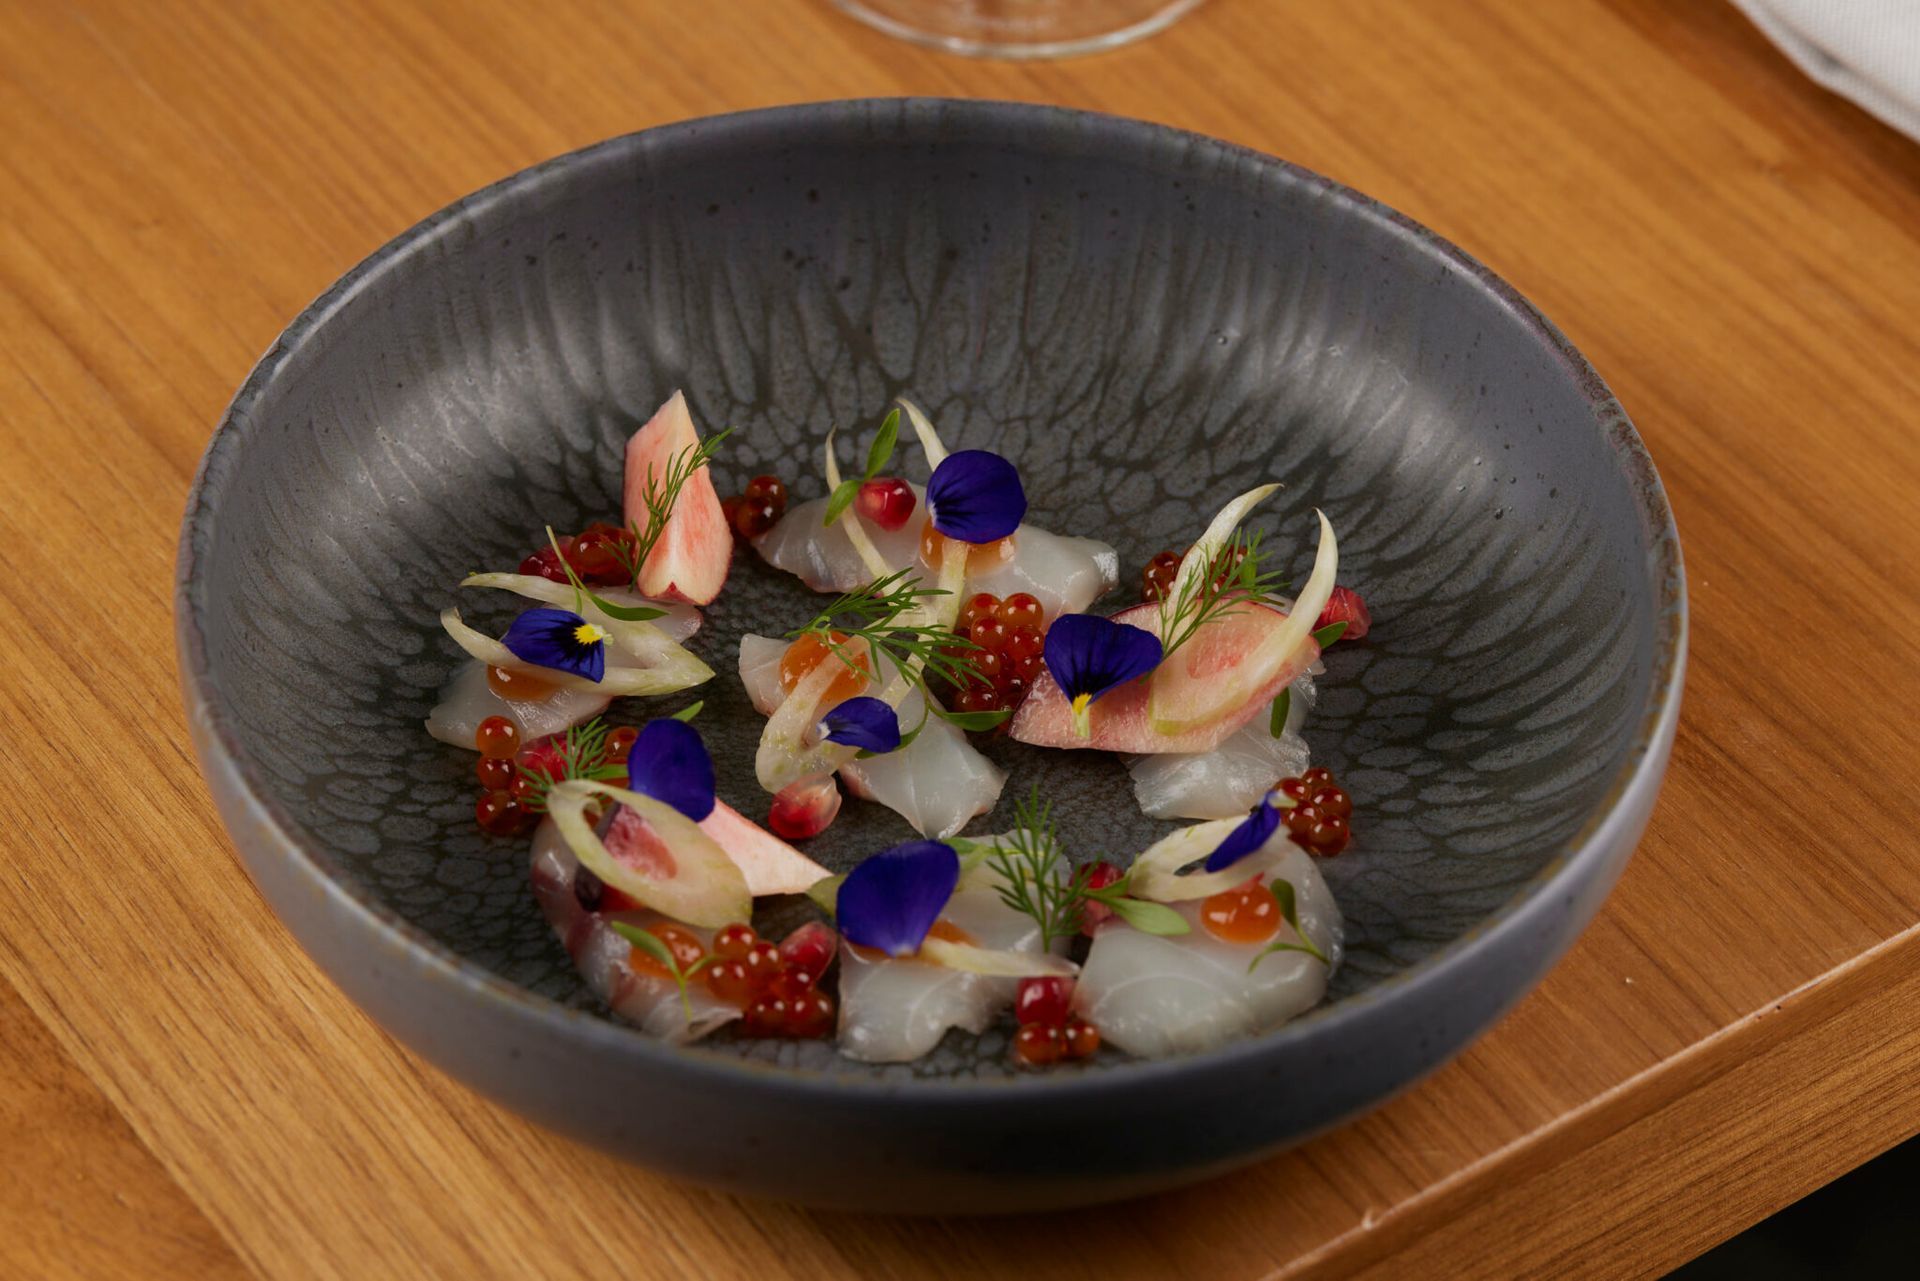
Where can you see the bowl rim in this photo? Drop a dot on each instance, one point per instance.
(1612, 820)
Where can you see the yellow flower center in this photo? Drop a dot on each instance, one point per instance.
(589, 634)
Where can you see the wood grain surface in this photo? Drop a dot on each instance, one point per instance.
(181, 1092)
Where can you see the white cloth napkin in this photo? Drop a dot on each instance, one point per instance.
(1866, 50)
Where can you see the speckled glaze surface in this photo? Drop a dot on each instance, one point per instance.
(1148, 322)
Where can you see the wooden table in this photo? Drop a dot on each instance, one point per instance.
(182, 1093)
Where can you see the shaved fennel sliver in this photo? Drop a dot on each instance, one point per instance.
(707, 889)
(856, 530)
(1155, 875)
(993, 962)
(566, 596)
(923, 428)
(670, 667)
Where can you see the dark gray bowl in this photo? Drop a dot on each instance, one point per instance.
(1147, 321)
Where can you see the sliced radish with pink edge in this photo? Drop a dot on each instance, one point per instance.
(669, 864)
(1119, 719)
(689, 562)
(1204, 681)
(770, 865)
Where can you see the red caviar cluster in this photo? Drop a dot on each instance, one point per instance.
(1011, 634)
(601, 554)
(1049, 1029)
(758, 508)
(1320, 820)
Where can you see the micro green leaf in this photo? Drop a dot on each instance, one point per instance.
(650, 943)
(841, 499)
(882, 448)
(1148, 918)
(1290, 913)
(1329, 634)
(974, 721)
(1282, 704)
(690, 711)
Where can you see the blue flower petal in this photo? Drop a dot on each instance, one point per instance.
(867, 723)
(890, 901)
(560, 639)
(1090, 656)
(1253, 832)
(669, 763)
(975, 496)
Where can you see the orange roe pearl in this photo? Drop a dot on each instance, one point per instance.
(497, 736)
(810, 651)
(1021, 610)
(1039, 1044)
(1244, 914)
(981, 558)
(518, 686)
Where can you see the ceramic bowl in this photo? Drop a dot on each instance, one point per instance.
(1147, 321)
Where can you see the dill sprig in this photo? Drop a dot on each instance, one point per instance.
(582, 755)
(1233, 578)
(878, 618)
(659, 495)
(1028, 860)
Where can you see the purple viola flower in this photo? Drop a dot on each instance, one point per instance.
(669, 763)
(890, 901)
(1089, 656)
(560, 639)
(867, 723)
(1253, 832)
(975, 496)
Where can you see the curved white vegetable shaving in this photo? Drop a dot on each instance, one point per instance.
(923, 428)
(677, 621)
(1200, 556)
(669, 668)
(1155, 875)
(707, 889)
(1278, 646)
(856, 529)
(993, 962)
(784, 756)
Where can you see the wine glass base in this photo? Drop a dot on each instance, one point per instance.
(1018, 28)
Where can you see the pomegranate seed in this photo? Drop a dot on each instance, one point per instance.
(810, 949)
(497, 736)
(733, 941)
(1043, 1000)
(1345, 606)
(1038, 1044)
(804, 809)
(544, 563)
(1093, 915)
(887, 501)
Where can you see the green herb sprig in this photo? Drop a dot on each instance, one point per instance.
(1329, 634)
(1028, 859)
(582, 755)
(583, 593)
(1142, 914)
(650, 943)
(1282, 705)
(1290, 913)
(877, 456)
(659, 495)
(874, 618)
(1234, 578)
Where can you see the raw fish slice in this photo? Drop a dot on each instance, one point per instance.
(1226, 782)
(1154, 996)
(1064, 574)
(894, 1011)
(823, 556)
(690, 560)
(605, 959)
(467, 699)
(1120, 718)
(938, 782)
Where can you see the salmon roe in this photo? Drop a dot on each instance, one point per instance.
(518, 686)
(1049, 1030)
(774, 986)
(1320, 820)
(1244, 914)
(1156, 580)
(809, 651)
(497, 736)
(981, 557)
(1008, 637)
